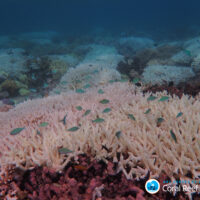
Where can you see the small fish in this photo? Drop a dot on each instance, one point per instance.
(86, 112)
(80, 167)
(43, 124)
(147, 111)
(160, 120)
(33, 90)
(131, 117)
(111, 81)
(79, 108)
(173, 135)
(104, 101)
(164, 98)
(64, 82)
(57, 92)
(33, 77)
(100, 91)
(124, 80)
(73, 129)
(38, 132)
(16, 131)
(98, 120)
(95, 71)
(187, 52)
(64, 151)
(45, 85)
(64, 119)
(80, 91)
(179, 114)
(118, 134)
(88, 77)
(151, 98)
(86, 86)
(106, 110)
(136, 80)
(54, 71)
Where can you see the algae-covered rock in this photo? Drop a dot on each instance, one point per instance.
(24, 92)
(23, 78)
(3, 76)
(58, 68)
(10, 86)
(21, 85)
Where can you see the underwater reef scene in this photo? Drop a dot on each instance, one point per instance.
(97, 99)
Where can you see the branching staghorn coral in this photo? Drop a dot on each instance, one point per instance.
(156, 134)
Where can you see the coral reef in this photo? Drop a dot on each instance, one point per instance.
(10, 86)
(130, 45)
(55, 129)
(156, 74)
(104, 137)
(84, 179)
(97, 68)
(159, 55)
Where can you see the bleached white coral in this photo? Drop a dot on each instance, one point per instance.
(102, 56)
(171, 146)
(156, 74)
(98, 67)
(82, 75)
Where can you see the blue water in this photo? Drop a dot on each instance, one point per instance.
(167, 18)
(37, 34)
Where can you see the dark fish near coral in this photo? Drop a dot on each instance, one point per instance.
(179, 114)
(151, 98)
(131, 117)
(80, 91)
(136, 80)
(147, 111)
(87, 112)
(187, 52)
(160, 120)
(118, 134)
(173, 136)
(106, 110)
(100, 91)
(164, 98)
(64, 151)
(16, 131)
(104, 101)
(43, 124)
(38, 132)
(79, 108)
(73, 129)
(98, 120)
(86, 86)
(64, 119)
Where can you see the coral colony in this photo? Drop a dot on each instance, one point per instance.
(95, 123)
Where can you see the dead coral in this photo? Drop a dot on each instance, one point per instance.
(94, 182)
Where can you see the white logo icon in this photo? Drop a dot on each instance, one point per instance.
(152, 186)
